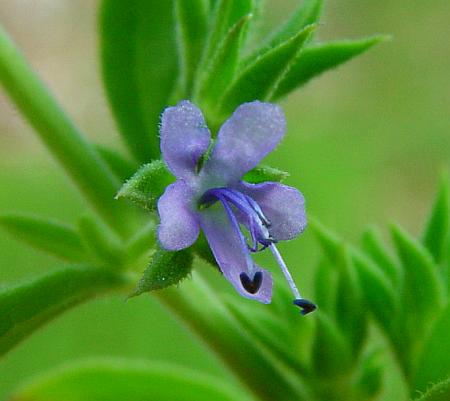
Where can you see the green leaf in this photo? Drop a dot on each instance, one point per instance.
(307, 13)
(239, 348)
(436, 232)
(146, 186)
(265, 173)
(223, 65)
(350, 312)
(376, 250)
(330, 243)
(331, 355)
(325, 287)
(139, 64)
(380, 296)
(27, 306)
(369, 381)
(272, 330)
(423, 292)
(166, 268)
(319, 58)
(434, 362)
(119, 380)
(118, 164)
(50, 236)
(103, 245)
(191, 27)
(142, 242)
(437, 392)
(260, 79)
(226, 13)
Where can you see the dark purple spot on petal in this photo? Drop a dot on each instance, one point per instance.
(251, 285)
(305, 305)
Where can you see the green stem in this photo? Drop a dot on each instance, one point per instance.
(254, 363)
(59, 134)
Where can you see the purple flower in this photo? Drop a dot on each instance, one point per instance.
(209, 194)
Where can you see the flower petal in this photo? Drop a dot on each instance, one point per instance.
(179, 226)
(249, 135)
(231, 254)
(184, 138)
(283, 206)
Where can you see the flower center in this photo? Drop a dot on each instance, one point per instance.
(243, 210)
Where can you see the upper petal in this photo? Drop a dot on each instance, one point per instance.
(184, 138)
(231, 254)
(179, 226)
(249, 135)
(283, 206)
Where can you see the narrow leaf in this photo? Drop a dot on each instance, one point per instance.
(370, 375)
(376, 250)
(330, 243)
(27, 306)
(226, 13)
(265, 173)
(119, 380)
(436, 232)
(434, 362)
(166, 268)
(104, 246)
(260, 79)
(272, 330)
(146, 186)
(141, 243)
(331, 353)
(319, 58)
(350, 312)
(139, 64)
(325, 287)
(438, 392)
(191, 26)
(220, 72)
(50, 236)
(423, 292)
(239, 349)
(378, 292)
(118, 164)
(307, 13)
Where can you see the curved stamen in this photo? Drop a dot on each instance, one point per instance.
(235, 224)
(258, 210)
(257, 223)
(258, 227)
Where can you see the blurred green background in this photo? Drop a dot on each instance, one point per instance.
(366, 145)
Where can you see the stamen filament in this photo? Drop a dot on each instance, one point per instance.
(259, 228)
(285, 271)
(234, 222)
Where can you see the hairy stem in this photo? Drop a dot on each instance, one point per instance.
(59, 134)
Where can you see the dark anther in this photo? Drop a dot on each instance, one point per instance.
(305, 305)
(252, 286)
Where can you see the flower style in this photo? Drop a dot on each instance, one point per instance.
(209, 194)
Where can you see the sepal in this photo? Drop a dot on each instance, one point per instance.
(165, 269)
